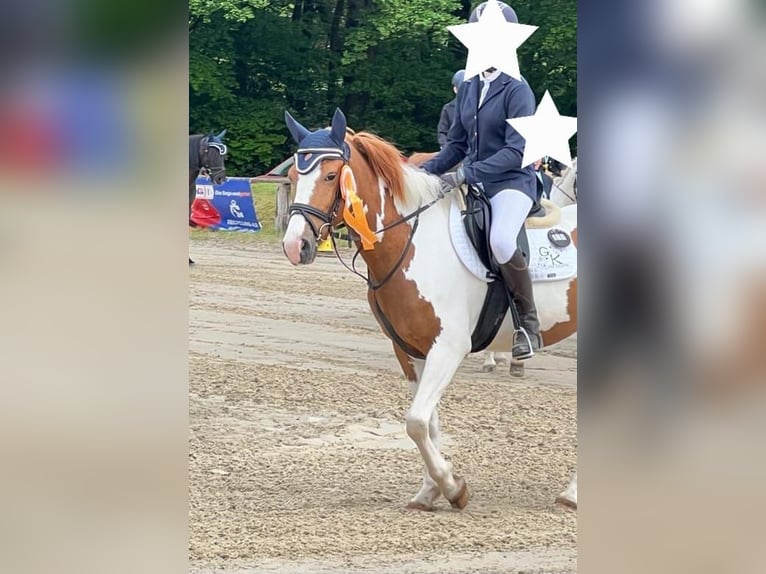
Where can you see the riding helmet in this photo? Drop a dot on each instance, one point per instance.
(457, 79)
(508, 12)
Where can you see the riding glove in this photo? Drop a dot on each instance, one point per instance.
(453, 179)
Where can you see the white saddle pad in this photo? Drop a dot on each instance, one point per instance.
(465, 251)
(547, 261)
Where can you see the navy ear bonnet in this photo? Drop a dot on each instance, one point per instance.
(217, 142)
(313, 147)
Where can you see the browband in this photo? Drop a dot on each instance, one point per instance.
(306, 159)
(219, 146)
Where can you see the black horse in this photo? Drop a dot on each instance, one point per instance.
(206, 157)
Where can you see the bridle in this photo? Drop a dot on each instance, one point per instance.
(205, 169)
(327, 218)
(304, 209)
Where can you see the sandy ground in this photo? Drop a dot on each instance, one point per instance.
(298, 457)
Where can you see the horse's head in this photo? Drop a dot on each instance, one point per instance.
(564, 190)
(212, 155)
(321, 156)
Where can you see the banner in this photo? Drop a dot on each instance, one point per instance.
(228, 206)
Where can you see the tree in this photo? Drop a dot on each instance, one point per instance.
(386, 63)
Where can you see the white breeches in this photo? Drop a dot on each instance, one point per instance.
(509, 211)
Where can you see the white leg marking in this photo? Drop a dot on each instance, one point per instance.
(441, 364)
(569, 496)
(489, 362)
(429, 491)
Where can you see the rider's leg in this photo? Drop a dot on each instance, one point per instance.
(509, 211)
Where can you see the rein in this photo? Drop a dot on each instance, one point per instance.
(565, 194)
(375, 286)
(327, 218)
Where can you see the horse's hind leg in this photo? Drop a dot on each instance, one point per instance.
(517, 368)
(569, 496)
(489, 365)
(440, 366)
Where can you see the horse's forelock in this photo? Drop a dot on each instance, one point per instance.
(384, 159)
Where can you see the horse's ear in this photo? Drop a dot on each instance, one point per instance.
(338, 132)
(296, 129)
(220, 136)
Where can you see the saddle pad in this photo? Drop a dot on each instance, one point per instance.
(465, 251)
(548, 261)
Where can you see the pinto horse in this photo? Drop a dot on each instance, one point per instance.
(418, 288)
(206, 156)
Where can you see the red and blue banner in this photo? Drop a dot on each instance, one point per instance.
(228, 206)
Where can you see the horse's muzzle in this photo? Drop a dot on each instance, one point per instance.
(308, 250)
(299, 245)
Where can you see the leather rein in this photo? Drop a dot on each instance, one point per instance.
(327, 218)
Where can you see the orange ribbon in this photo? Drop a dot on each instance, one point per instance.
(353, 209)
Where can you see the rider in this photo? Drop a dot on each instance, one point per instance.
(492, 153)
(544, 181)
(448, 111)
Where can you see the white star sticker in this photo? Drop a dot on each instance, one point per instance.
(546, 133)
(492, 42)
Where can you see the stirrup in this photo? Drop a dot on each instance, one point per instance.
(522, 356)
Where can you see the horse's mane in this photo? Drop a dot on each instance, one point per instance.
(194, 150)
(419, 158)
(384, 159)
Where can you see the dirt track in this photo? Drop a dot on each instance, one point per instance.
(298, 457)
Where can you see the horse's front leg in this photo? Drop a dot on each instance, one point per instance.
(440, 366)
(429, 492)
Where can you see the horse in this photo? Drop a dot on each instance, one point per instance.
(206, 157)
(421, 294)
(564, 190)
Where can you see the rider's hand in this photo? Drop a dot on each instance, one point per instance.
(454, 179)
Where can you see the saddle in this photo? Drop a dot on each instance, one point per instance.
(477, 219)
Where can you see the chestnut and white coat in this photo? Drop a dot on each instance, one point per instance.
(432, 300)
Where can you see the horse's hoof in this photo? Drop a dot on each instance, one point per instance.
(568, 502)
(488, 368)
(414, 505)
(461, 498)
(517, 370)
(191, 262)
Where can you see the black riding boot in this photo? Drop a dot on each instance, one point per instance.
(526, 340)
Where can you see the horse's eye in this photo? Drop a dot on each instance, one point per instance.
(331, 176)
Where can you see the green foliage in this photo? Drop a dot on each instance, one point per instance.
(386, 63)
